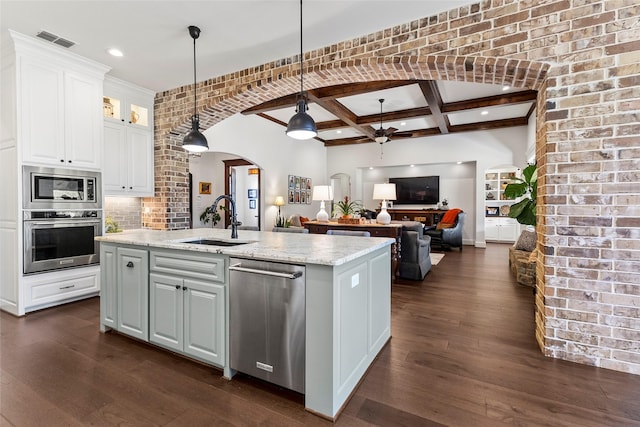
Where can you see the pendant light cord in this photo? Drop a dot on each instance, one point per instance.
(195, 107)
(301, 58)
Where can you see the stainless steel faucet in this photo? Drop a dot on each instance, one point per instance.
(234, 222)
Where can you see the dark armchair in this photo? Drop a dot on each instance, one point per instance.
(415, 260)
(448, 238)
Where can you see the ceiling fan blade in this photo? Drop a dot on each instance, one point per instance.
(389, 131)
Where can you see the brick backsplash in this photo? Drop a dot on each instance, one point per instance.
(583, 57)
(126, 211)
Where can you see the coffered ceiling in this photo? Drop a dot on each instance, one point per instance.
(350, 114)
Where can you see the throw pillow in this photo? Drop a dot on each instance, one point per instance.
(303, 219)
(526, 241)
(294, 220)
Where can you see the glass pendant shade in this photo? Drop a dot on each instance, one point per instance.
(195, 141)
(301, 125)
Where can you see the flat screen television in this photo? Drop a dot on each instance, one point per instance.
(419, 190)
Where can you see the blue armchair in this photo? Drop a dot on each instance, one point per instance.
(448, 238)
(415, 251)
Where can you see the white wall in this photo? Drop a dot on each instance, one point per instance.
(278, 156)
(487, 149)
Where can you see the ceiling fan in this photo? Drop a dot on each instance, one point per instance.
(382, 135)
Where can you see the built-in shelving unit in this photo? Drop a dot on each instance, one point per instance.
(498, 225)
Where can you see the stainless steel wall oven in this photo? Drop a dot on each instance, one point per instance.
(60, 239)
(62, 216)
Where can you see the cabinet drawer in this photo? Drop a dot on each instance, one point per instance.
(185, 264)
(59, 290)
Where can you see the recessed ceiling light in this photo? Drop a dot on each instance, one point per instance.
(338, 131)
(506, 87)
(370, 168)
(484, 112)
(115, 52)
(403, 123)
(459, 163)
(412, 166)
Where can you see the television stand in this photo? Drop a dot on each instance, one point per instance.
(428, 217)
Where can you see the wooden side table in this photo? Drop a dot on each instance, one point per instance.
(393, 231)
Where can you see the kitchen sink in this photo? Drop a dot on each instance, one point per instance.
(213, 242)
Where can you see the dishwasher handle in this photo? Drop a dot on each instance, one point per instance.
(238, 267)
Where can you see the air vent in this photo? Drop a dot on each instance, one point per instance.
(53, 38)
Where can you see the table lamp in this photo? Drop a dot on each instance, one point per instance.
(384, 192)
(279, 202)
(322, 193)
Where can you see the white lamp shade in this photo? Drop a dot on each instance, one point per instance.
(384, 191)
(322, 192)
(279, 201)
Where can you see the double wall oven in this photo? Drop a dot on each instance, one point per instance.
(62, 216)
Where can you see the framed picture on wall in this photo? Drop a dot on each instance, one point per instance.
(205, 188)
(291, 197)
(309, 197)
(252, 193)
(292, 182)
(252, 204)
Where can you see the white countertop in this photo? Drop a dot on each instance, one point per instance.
(287, 247)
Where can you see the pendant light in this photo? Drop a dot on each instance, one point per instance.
(301, 125)
(195, 141)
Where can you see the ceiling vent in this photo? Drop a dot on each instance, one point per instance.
(45, 35)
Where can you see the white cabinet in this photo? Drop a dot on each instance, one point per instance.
(60, 114)
(128, 139)
(185, 316)
(501, 229)
(187, 304)
(132, 289)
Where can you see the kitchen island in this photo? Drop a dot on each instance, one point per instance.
(347, 301)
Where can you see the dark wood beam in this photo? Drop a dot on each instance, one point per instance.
(493, 124)
(491, 101)
(434, 100)
(351, 89)
(344, 114)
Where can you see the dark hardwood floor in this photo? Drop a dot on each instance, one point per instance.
(463, 353)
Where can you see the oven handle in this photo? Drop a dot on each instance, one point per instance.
(64, 221)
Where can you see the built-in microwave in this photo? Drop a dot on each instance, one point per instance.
(51, 188)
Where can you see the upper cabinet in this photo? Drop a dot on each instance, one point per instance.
(498, 225)
(127, 111)
(58, 103)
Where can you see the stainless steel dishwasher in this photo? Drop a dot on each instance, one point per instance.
(267, 321)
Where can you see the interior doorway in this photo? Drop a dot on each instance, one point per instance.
(242, 182)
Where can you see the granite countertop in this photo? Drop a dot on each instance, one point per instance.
(265, 245)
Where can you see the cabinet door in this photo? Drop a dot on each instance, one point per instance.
(140, 162)
(83, 120)
(204, 321)
(491, 229)
(108, 294)
(508, 230)
(41, 106)
(166, 311)
(114, 173)
(133, 292)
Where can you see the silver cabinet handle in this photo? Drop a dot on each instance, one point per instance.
(130, 264)
(237, 267)
(68, 287)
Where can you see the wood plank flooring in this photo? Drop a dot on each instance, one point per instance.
(462, 353)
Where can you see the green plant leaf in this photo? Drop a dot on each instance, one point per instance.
(515, 190)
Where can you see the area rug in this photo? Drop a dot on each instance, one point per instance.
(436, 258)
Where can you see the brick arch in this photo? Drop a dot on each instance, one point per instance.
(225, 100)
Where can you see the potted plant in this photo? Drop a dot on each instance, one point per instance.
(346, 208)
(524, 211)
(210, 215)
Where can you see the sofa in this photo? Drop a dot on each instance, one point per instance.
(415, 251)
(448, 233)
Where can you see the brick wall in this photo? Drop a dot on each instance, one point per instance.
(126, 211)
(584, 58)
